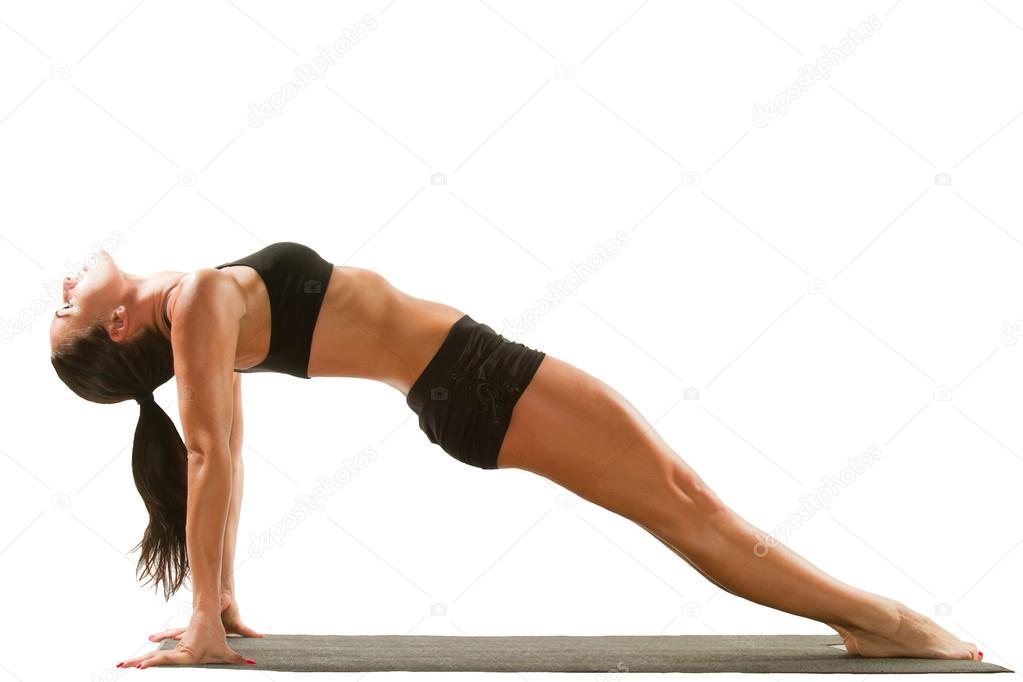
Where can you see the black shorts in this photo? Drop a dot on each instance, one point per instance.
(465, 395)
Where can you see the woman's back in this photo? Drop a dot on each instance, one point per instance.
(358, 325)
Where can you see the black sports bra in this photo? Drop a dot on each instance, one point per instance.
(296, 280)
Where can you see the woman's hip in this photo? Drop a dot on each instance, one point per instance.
(465, 395)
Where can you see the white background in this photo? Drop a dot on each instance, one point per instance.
(845, 277)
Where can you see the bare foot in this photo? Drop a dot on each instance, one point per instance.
(847, 638)
(916, 636)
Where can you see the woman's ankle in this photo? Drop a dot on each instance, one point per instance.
(879, 616)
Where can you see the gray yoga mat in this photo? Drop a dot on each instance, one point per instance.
(600, 653)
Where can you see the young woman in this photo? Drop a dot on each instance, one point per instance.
(487, 401)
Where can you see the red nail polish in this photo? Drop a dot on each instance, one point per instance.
(981, 654)
(250, 661)
(119, 664)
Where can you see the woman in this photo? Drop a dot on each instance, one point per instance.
(285, 309)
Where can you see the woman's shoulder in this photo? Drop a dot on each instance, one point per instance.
(202, 292)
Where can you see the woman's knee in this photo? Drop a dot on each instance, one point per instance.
(684, 504)
(687, 483)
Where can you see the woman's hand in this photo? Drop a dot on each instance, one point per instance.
(229, 618)
(203, 641)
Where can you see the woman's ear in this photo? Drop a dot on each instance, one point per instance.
(118, 324)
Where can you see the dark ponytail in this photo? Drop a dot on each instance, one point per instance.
(159, 464)
(102, 370)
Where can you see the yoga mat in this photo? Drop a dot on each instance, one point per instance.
(595, 653)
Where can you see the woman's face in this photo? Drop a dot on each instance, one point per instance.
(90, 293)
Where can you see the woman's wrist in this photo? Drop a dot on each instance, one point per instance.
(227, 601)
(206, 604)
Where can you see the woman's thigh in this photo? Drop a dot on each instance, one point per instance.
(574, 429)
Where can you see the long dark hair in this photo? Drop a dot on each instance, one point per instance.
(102, 370)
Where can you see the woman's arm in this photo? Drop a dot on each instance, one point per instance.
(209, 492)
(237, 481)
(204, 342)
(229, 614)
(204, 337)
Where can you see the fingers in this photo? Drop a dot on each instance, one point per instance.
(135, 661)
(161, 659)
(160, 636)
(244, 631)
(236, 658)
(183, 655)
